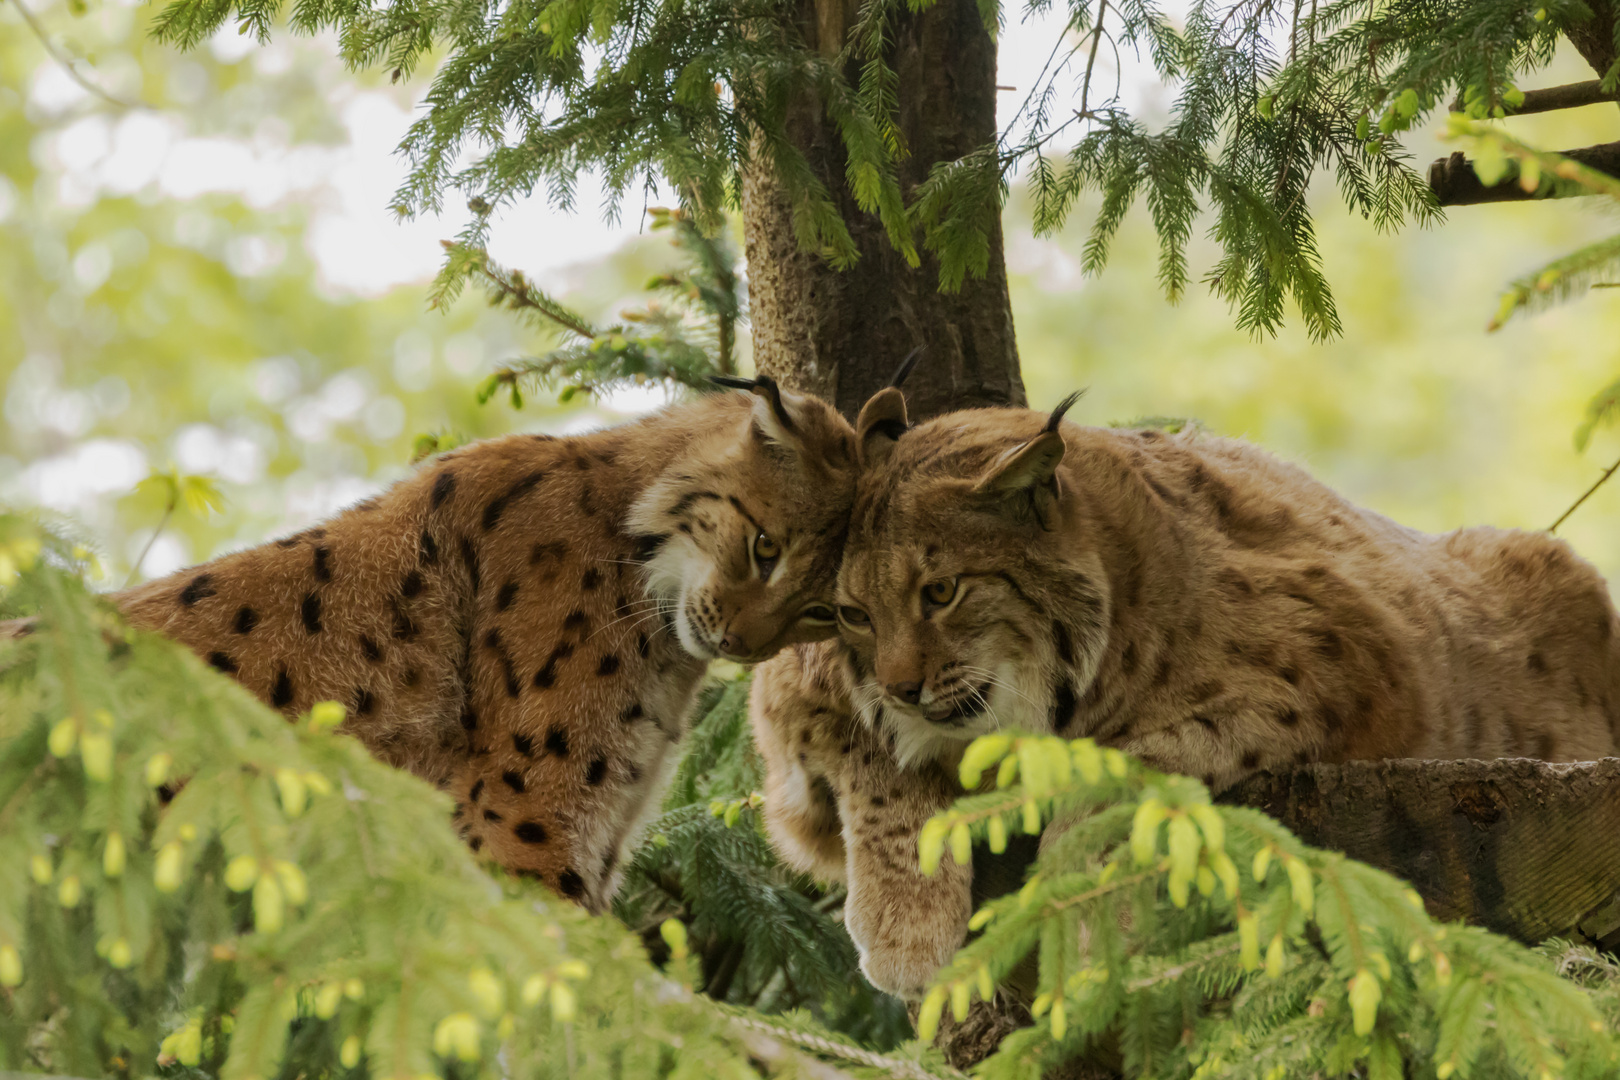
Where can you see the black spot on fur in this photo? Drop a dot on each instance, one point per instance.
(365, 702)
(289, 541)
(530, 832)
(513, 780)
(557, 741)
(581, 462)
(370, 649)
(470, 558)
(476, 843)
(592, 578)
(1330, 718)
(477, 790)
(571, 885)
(469, 720)
(311, 612)
(442, 487)
(1251, 760)
(1289, 675)
(509, 672)
(608, 666)
(576, 620)
(643, 646)
(246, 620)
(595, 771)
(647, 547)
(201, 587)
(405, 628)
(411, 677)
(1127, 659)
(523, 744)
(430, 550)
(222, 662)
(1063, 709)
(1328, 642)
(493, 817)
(587, 501)
(323, 564)
(1161, 677)
(1065, 644)
(1288, 717)
(1201, 719)
(553, 551)
(632, 714)
(281, 693)
(1536, 663)
(411, 585)
(493, 512)
(504, 598)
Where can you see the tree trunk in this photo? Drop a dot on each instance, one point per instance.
(842, 334)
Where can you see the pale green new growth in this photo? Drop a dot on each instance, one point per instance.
(1150, 937)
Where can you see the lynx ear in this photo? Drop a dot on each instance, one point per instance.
(1024, 479)
(790, 420)
(772, 415)
(880, 425)
(883, 418)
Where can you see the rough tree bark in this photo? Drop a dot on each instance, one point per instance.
(841, 334)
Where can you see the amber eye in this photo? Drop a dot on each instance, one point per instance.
(940, 593)
(766, 549)
(818, 613)
(854, 618)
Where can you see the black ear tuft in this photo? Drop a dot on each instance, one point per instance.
(734, 382)
(1062, 407)
(766, 387)
(905, 366)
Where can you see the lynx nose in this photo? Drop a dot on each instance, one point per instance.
(908, 692)
(732, 647)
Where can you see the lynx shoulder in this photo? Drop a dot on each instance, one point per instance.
(1189, 599)
(524, 621)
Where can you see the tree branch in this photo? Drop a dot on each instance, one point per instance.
(1571, 96)
(1454, 182)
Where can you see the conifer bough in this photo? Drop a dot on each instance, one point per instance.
(697, 92)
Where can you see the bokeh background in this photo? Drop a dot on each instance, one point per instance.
(199, 270)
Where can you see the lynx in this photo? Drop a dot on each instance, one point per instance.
(1191, 600)
(525, 620)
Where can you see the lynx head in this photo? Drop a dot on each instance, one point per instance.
(966, 602)
(743, 533)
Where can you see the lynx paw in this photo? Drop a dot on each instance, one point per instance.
(905, 970)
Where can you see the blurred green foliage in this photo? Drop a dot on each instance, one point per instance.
(135, 326)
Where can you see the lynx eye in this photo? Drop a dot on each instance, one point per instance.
(820, 614)
(854, 618)
(766, 552)
(940, 593)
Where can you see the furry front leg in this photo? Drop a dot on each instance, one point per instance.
(905, 925)
(801, 720)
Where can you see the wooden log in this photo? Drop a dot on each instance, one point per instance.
(1530, 849)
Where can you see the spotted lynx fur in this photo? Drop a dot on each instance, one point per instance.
(525, 620)
(1191, 600)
